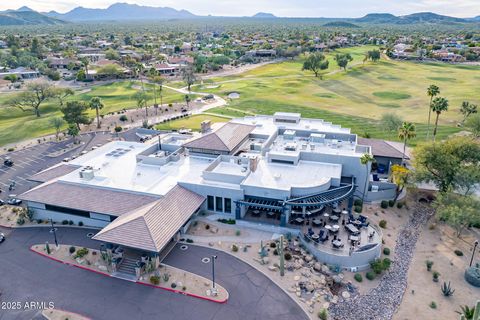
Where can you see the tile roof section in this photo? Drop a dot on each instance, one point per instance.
(151, 227)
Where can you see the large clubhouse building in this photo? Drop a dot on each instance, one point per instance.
(144, 195)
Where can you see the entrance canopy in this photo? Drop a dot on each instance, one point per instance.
(151, 227)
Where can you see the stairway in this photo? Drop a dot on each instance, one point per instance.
(127, 266)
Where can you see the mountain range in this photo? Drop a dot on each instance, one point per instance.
(26, 16)
(126, 12)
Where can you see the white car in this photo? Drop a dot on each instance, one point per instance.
(2, 237)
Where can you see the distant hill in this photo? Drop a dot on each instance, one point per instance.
(421, 17)
(26, 16)
(476, 19)
(264, 15)
(122, 11)
(340, 24)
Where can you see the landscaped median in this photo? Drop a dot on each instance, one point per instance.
(164, 277)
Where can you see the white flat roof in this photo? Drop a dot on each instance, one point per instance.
(228, 167)
(284, 176)
(124, 173)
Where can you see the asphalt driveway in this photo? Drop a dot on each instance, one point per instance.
(28, 277)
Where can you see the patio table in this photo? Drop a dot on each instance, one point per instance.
(336, 211)
(299, 220)
(345, 212)
(326, 215)
(317, 222)
(357, 223)
(334, 218)
(354, 238)
(335, 227)
(256, 212)
(328, 227)
(271, 214)
(351, 228)
(337, 243)
(315, 236)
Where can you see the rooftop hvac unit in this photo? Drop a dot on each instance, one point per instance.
(87, 174)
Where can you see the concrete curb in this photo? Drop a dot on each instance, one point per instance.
(138, 282)
(70, 312)
(49, 226)
(261, 271)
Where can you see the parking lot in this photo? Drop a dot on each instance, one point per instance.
(34, 159)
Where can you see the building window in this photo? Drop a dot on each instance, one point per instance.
(210, 205)
(228, 205)
(75, 212)
(219, 204)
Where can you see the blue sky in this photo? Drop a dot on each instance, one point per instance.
(290, 8)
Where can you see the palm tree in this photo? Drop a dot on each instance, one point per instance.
(432, 92)
(366, 159)
(187, 100)
(85, 62)
(97, 104)
(406, 132)
(141, 99)
(438, 105)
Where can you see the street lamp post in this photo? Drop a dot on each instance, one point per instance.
(213, 272)
(54, 233)
(473, 253)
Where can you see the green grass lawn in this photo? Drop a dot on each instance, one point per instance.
(367, 90)
(192, 122)
(16, 125)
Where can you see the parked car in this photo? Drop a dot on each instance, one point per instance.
(8, 162)
(14, 201)
(2, 202)
(2, 237)
(208, 97)
(66, 159)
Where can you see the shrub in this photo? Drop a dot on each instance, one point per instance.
(189, 240)
(11, 149)
(70, 222)
(227, 221)
(166, 277)
(287, 256)
(370, 275)
(234, 248)
(273, 245)
(173, 285)
(123, 118)
(386, 263)
(382, 224)
(458, 253)
(386, 251)
(81, 253)
(39, 221)
(429, 265)
(384, 204)
(358, 209)
(64, 222)
(118, 129)
(155, 280)
(433, 305)
(238, 233)
(391, 203)
(20, 221)
(399, 205)
(435, 274)
(71, 249)
(358, 277)
(184, 288)
(447, 290)
(275, 252)
(207, 227)
(323, 314)
(358, 202)
(377, 266)
(80, 223)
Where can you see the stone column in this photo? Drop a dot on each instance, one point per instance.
(238, 211)
(350, 204)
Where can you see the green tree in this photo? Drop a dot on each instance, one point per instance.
(453, 164)
(187, 100)
(438, 106)
(458, 211)
(405, 133)
(374, 55)
(141, 98)
(85, 63)
(109, 70)
(189, 77)
(57, 123)
(366, 159)
(81, 76)
(315, 62)
(390, 122)
(75, 112)
(111, 54)
(473, 124)
(343, 59)
(467, 109)
(96, 104)
(61, 94)
(73, 131)
(432, 92)
(33, 97)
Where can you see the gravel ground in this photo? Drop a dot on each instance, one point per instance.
(382, 302)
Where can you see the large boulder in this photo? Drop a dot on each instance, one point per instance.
(472, 276)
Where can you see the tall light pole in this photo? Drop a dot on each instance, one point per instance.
(213, 272)
(54, 231)
(473, 253)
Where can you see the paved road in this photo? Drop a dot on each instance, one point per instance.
(25, 276)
